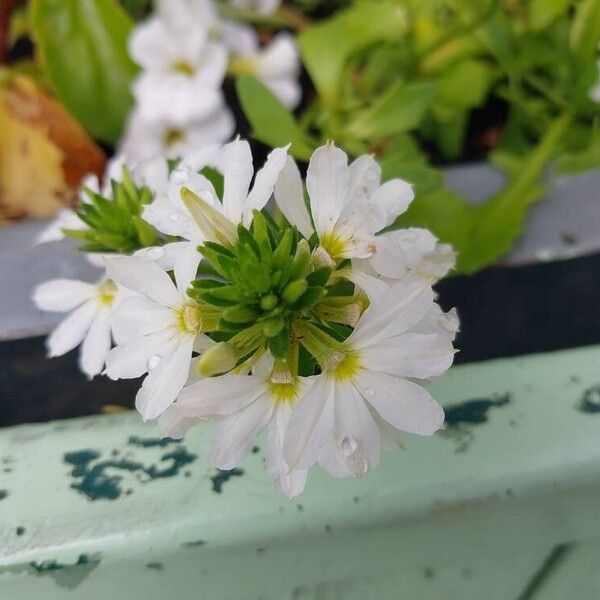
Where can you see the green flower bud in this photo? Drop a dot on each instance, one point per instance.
(240, 314)
(219, 358)
(294, 290)
(269, 302)
(272, 326)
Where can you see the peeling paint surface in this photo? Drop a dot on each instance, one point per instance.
(104, 505)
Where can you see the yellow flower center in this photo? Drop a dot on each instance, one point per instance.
(284, 392)
(334, 245)
(184, 67)
(189, 318)
(107, 291)
(347, 368)
(172, 136)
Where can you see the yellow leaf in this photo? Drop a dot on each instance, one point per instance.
(44, 152)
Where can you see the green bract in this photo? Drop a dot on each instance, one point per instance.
(269, 291)
(115, 223)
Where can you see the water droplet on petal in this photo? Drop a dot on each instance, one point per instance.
(372, 174)
(360, 466)
(153, 362)
(174, 216)
(369, 392)
(179, 176)
(348, 446)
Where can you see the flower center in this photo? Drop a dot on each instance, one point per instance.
(173, 136)
(334, 245)
(284, 393)
(189, 318)
(107, 291)
(184, 67)
(348, 367)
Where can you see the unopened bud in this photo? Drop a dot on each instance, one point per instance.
(294, 290)
(240, 314)
(219, 358)
(269, 302)
(271, 327)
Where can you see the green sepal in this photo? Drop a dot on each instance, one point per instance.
(319, 277)
(240, 314)
(310, 297)
(279, 344)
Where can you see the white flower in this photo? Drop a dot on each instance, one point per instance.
(216, 219)
(371, 386)
(244, 405)
(262, 7)
(349, 206)
(182, 68)
(89, 321)
(146, 138)
(160, 324)
(277, 64)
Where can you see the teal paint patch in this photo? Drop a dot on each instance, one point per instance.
(65, 575)
(460, 417)
(155, 566)
(101, 480)
(3, 494)
(194, 544)
(590, 401)
(222, 477)
(135, 440)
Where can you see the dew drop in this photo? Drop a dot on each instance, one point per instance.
(369, 392)
(360, 466)
(179, 176)
(348, 446)
(153, 362)
(174, 216)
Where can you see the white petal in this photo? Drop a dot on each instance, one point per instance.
(355, 433)
(327, 181)
(265, 182)
(165, 381)
(394, 197)
(175, 425)
(437, 321)
(219, 396)
(186, 266)
(62, 295)
(365, 175)
(310, 426)
(236, 433)
(401, 251)
(286, 89)
(133, 358)
(373, 287)
(410, 355)
(289, 197)
(152, 172)
(402, 403)
(279, 58)
(241, 39)
(96, 344)
(145, 277)
(72, 330)
(400, 307)
(137, 316)
(291, 484)
(238, 171)
(66, 219)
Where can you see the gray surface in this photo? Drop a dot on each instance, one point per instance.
(565, 224)
(22, 266)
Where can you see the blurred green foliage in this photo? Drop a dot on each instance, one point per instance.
(408, 80)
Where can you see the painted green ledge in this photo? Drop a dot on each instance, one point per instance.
(502, 505)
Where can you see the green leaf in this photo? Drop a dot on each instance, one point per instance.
(326, 47)
(83, 49)
(280, 343)
(543, 12)
(585, 31)
(464, 85)
(400, 109)
(271, 122)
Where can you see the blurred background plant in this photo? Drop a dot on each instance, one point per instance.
(419, 83)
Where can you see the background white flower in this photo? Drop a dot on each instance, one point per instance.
(90, 307)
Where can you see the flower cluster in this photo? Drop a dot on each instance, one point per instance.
(185, 51)
(316, 322)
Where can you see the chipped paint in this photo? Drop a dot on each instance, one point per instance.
(3, 494)
(65, 575)
(469, 413)
(194, 544)
(135, 440)
(590, 400)
(223, 476)
(101, 480)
